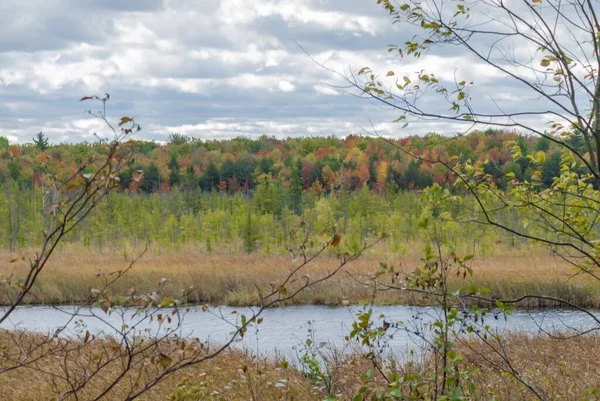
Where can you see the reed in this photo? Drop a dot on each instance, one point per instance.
(220, 278)
(557, 369)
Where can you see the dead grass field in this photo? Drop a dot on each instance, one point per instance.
(558, 369)
(232, 279)
(233, 375)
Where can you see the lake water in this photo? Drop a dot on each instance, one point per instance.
(283, 329)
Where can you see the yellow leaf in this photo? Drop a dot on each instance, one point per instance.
(540, 157)
(390, 74)
(166, 302)
(13, 260)
(125, 120)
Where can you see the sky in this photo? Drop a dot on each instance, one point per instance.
(209, 69)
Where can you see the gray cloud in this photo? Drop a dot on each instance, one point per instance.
(205, 68)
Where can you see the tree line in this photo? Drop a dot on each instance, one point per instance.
(315, 164)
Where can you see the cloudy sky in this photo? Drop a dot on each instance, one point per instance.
(204, 68)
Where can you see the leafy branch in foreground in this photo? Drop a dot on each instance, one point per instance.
(67, 203)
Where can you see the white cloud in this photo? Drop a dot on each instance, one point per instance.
(285, 86)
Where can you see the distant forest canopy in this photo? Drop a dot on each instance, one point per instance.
(317, 164)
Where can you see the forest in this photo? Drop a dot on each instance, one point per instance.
(244, 195)
(313, 164)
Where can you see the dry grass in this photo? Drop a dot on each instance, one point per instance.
(232, 375)
(232, 279)
(557, 369)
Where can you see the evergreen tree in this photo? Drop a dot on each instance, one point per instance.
(178, 139)
(174, 171)
(151, 180)
(41, 141)
(523, 162)
(542, 144)
(373, 170)
(296, 189)
(551, 168)
(210, 178)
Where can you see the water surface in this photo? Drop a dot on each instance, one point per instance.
(283, 329)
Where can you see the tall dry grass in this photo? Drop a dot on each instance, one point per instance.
(557, 369)
(233, 375)
(232, 279)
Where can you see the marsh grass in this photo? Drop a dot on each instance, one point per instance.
(221, 279)
(559, 369)
(232, 375)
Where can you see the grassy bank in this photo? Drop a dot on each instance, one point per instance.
(232, 279)
(557, 369)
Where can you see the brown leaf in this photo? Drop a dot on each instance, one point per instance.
(336, 240)
(86, 98)
(164, 361)
(105, 306)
